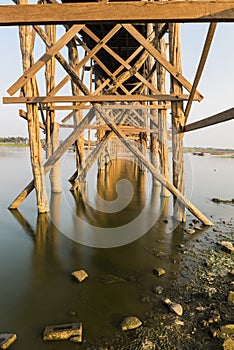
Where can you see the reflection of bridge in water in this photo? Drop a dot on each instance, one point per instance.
(120, 56)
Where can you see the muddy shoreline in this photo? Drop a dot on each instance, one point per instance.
(202, 287)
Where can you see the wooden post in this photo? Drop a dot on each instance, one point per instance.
(177, 122)
(162, 114)
(52, 128)
(79, 144)
(26, 44)
(154, 112)
(55, 177)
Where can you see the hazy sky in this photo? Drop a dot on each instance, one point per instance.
(216, 83)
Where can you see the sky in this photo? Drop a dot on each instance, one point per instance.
(216, 84)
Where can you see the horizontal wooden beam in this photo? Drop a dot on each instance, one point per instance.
(95, 98)
(132, 11)
(109, 107)
(215, 119)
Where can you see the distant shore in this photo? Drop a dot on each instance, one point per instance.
(9, 144)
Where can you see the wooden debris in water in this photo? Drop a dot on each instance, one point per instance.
(6, 339)
(63, 332)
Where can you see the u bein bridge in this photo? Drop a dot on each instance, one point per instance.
(118, 58)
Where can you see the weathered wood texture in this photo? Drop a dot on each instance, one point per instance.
(215, 119)
(133, 11)
(200, 68)
(177, 122)
(27, 44)
(162, 116)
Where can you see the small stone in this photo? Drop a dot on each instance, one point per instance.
(80, 275)
(227, 330)
(231, 297)
(232, 272)
(216, 229)
(130, 322)
(198, 228)
(145, 299)
(63, 332)
(228, 344)
(190, 231)
(173, 307)
(158, 290)
(195, 221)
(179, 323)
(165, 221)
(6, 339)
(159, 271)
(227, 247)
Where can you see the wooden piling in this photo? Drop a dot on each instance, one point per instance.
(177, 122)
(162, 114)
(26, 44)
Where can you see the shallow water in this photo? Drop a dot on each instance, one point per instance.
(98, 231)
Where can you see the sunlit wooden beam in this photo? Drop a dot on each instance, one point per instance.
(132, 11)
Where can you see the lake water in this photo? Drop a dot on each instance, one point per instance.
(117, 234)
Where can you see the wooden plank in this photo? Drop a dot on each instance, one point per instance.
(215, 119)
(132, 11)
(156, 54)
(200, 68)
(120, 107)
(44, 58)
(95, 98)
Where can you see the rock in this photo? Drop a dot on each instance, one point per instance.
(159, 271)
(227, 331)
(130, 322)
(173, 307)
(227, 247)
(147, 345)
(216, 200)
(145, 299)
(190, 231)
(198, 228)
(195, 221)
(6, 339)
(228, 344)
(80, 275)
(63, 331)
(231, 297)
(158, 290)
(216, 229)
(165, 221)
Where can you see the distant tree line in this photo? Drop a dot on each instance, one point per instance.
(13, 139)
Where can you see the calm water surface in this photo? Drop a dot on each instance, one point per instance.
(37, 255)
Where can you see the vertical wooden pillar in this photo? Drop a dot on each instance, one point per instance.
(162, 115)
(52, 128)
(79, 144)
(26, 44)
(177, 122)
(55, 178)
(154, 113)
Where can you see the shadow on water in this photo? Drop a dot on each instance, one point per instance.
(120, 278)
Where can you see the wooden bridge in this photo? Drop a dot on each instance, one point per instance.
(119, 57)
